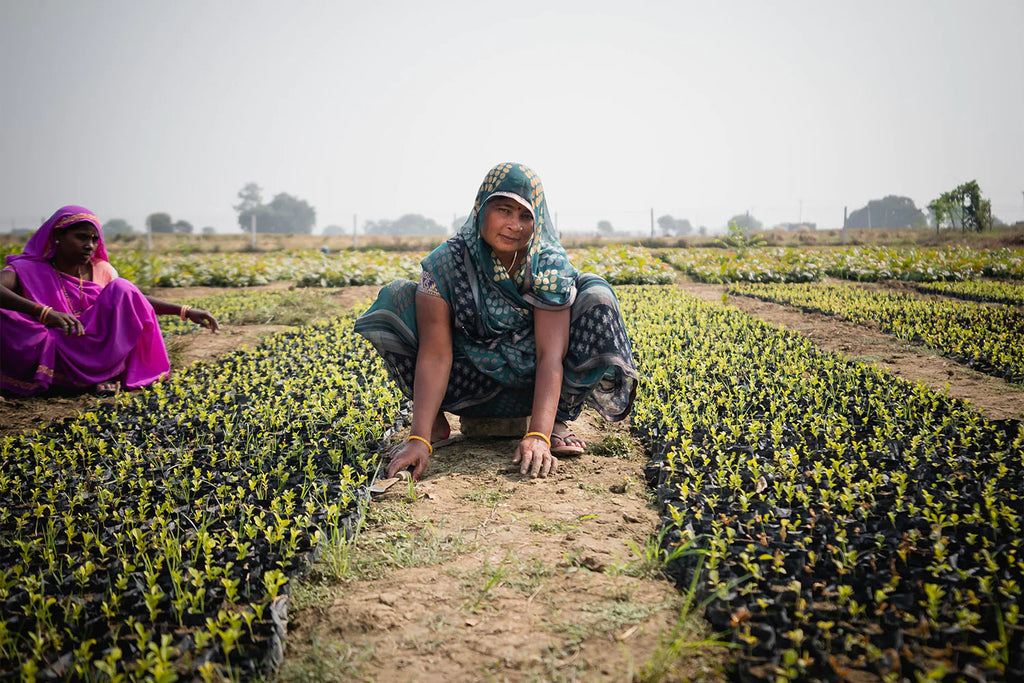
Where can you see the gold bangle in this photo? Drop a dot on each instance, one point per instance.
(184, 310)
(430, 449)
(540, 436)
(45, 314)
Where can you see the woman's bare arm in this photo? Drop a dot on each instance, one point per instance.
(196, 315)
(11, 299)
(433, 366)
(551, 330)
(10, 294)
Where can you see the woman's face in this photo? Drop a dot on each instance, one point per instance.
(76, 244)
(507, 226)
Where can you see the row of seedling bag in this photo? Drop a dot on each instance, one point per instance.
(983, 336)
(154, 538)
(831, 517)
(863, 264)
(617, 264)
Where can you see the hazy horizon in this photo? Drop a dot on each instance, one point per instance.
(789, 110)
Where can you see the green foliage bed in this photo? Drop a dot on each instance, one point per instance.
(849, 520)
(151, 540)
(988, 338)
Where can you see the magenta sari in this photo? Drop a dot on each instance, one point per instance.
(122, 340)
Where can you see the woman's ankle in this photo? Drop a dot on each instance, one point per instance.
(440, 429)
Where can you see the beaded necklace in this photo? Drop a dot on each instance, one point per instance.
(64, 290)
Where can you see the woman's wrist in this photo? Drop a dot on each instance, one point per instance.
(184, 311)
(538, 435)
(413, 437)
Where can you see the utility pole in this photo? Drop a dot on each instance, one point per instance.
(149, 234)
(252, 228)
(355, 238)
(652, 224)
(844, 226)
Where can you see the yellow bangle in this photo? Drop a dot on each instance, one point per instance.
(430, 449)
(45, 314)
(540, 436)
(184, 310)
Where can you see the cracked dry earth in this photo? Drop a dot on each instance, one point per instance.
(477, 573)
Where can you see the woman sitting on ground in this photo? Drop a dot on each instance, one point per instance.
(501, 325)
(67, 319)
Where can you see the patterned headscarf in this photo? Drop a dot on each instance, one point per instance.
(42, 245)
(547, 279)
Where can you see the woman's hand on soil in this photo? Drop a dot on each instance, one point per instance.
(65, 322)
(534, 456)
(409, 454)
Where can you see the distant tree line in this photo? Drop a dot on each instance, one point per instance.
(117, 226)
(284, 213)
(674, 227)
(963, 207)
(890, 212)
(409, 224)
(162, 222)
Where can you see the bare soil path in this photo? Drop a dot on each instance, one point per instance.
(477, 573)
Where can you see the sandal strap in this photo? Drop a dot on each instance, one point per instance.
(563, 433)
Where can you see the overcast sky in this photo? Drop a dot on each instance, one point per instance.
(791, 110)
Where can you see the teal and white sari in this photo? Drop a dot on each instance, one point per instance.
(494, 350)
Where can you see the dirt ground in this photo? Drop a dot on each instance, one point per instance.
(477, 573)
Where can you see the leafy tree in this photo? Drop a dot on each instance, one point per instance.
(117, 226)
(890, 212)
(605, 227)
(333, 229)
(963, 206)
(209, 230)
(674, 226)
(160, 222)
(182, 226)
(293, 214)
(249, 197)
(746, 221)
(284, 214)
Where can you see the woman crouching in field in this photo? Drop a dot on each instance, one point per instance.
(501, 325)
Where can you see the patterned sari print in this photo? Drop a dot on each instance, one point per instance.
(494, 349)
(548, 278)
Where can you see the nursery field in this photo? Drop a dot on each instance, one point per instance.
(829, 484)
